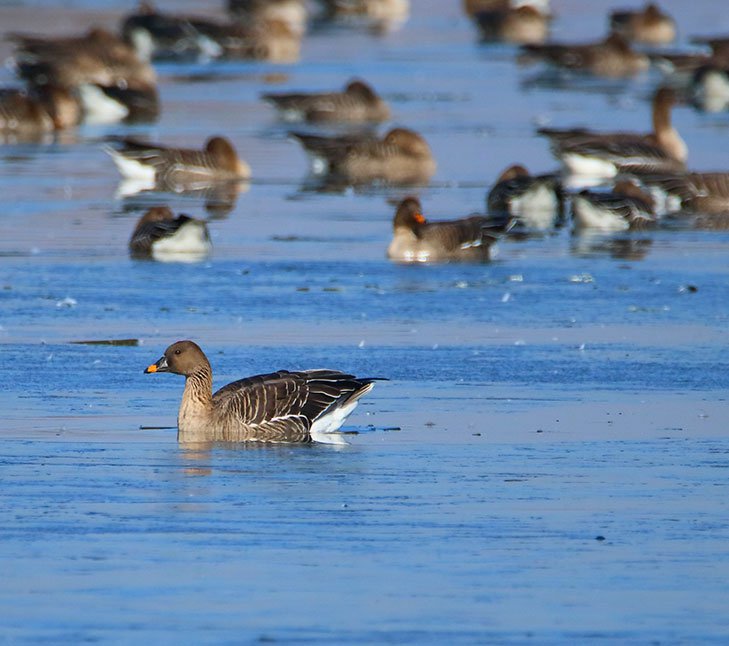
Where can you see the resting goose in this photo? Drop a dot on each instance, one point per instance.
(650, 26)
(417, 240)
(358, 102)
(535, 202)
(605, 154)
(282, 406)
(97, 57)
(162, 236)
(140, 160)
(36, 111)
(523, 25)
(612, 57)
(626, 207)
(291, 12)
(402, 156)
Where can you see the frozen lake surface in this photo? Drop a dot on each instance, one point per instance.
(548, 462)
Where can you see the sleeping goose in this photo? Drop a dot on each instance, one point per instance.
(650, 26)
(402, 156)
(612, 57)
(536, 202)
(626, 207)
(162, 236)
(604, 154)
(291, 12)
(282, 406)
(416, 240)
(356, 103)
(164, 165)
(43, 109)
(96, 57)
(522, 25)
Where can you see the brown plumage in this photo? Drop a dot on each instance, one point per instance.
(282, 406)
(417, 240)
(662, 150)
(218, 160)
(402, 156)
(650, 25)
(96, 57)
(612, 57)
(521, 25)
(356, 103)
(162, 236)
(626, 207)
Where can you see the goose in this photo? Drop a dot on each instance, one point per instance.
(164, 165)
(650, 26)
(156, 35)
(402, 156)
(162, 236)
(97, 56)
(604, 154)
(108, 104)
(291, 12)
(282, 406)
(381, 10)
(535, 202)
(37, 110)
(416, 240)
(358, 102)
(626, 207)
(525, 24)
(612, 57)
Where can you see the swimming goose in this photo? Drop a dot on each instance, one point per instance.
(536, 202)
(625, 207)
(417, 240)
(96, 57)
(37, 110)
(522, 25)
(650, 26)
(291, 12)
(140, 160)
(162, 236)
(604, 154)
(612, 57)
(357, 102)
(282, 406)
(402, 156)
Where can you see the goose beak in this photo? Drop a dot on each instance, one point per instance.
(160, 366)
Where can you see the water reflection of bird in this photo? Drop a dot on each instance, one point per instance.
(283, 406)
(162, 236)
(417, 240)
(402, 156)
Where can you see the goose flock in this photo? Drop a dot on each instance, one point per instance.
(606, 181)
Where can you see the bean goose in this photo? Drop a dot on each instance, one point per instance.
(96, 57)
(357, 102)
(162, 236)
(625, 207)
(279, 407)
(612, 57)
(39, 110)
(165, 165)
(417, 240)
(402, 156)
(523, 25)
(604, 154)
(291, 12)
(650, 26)
(535, 202)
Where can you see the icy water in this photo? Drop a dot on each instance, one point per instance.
(547, 464)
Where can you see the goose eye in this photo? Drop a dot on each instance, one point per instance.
(177, 351)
